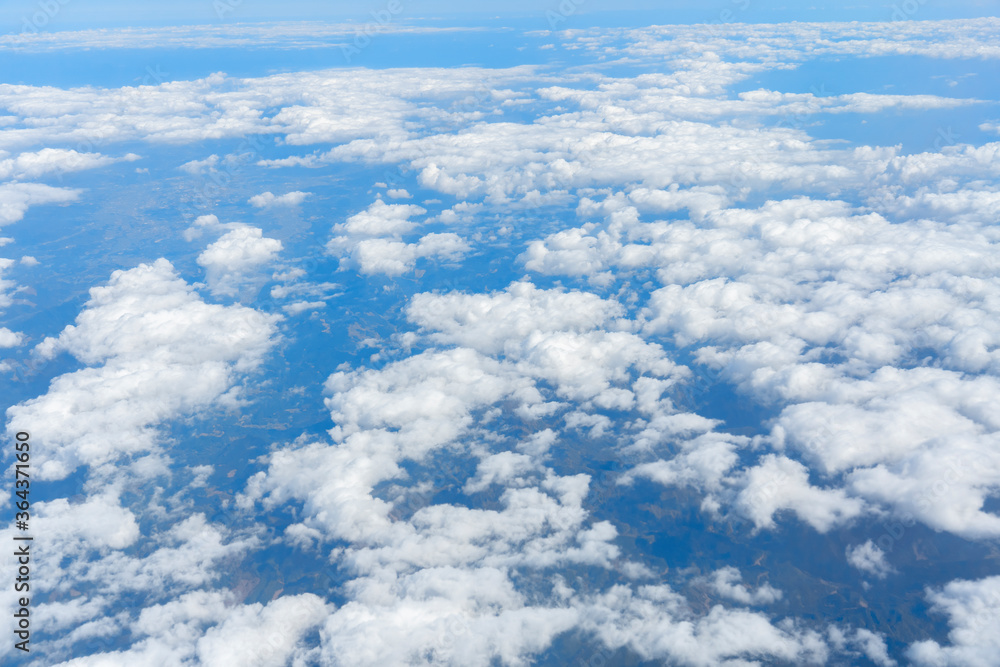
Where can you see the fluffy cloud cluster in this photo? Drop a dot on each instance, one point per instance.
(973, 611)
(235, 259)
(868, 557)
(282, 35)
(372, 240)
(800, 41)
(728, 582)
(268, 199)
(204, 628)
(16, 198)
(154, 350)
(828, 311)
(53, 160)
(434, 580)
(327, 106)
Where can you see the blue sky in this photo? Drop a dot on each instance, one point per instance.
(66, 14)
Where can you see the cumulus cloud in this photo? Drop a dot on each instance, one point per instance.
(728, 582)
(869, 558)
(778, 484)
(10, 338)
(54, 160)
(312, 107)
(973, 610)
(203, 627)
(380, 219)
(702, 462)
(154, 350)
(552, 335)
(197, 167)
(16, 198)
(491, 323)
(372, 240)
(791, 301)
(658, 624)
(861, 642)
(267, 199)
(235, 259)
(447, 565)
(431, 577)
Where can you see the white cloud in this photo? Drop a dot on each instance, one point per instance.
(864, 642)
(795, 42)
(263, 635)
(154, 351)
(235, 260)
(399, 193)
(6, 286)
(431, 578)
(973, 611)
(55, 160)
(498, 322)
(197, 167)
(703, 462)
(372, 240)
(801, 305)
(299, 307)
(10, 338)
(327, 106)
(552, 335)
(380, 219)
(728, 582)
(506, 468)
(16, 198)
(282, 35)
(778, 484)
(205, 223)
(201, 628)
(869, 558)
(267, 199)
(658, 624)
(394, 258)
(443, 616)
(428, 569)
